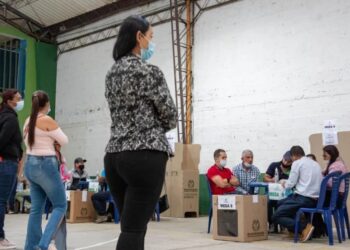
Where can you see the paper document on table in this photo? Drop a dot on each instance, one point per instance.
(84, 196)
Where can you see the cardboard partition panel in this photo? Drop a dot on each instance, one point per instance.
(182, 181)
(183, 193)
(343, 147)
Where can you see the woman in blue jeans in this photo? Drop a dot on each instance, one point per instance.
(42, 171)
(10, 153)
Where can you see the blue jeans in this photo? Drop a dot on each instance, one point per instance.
(8, 172)
(288, 208)
(45, 182)
(99, 202)
(12, 198)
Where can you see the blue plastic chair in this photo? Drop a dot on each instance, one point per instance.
(326, 211)
(342, 209)
(116, 211)
(210, 204)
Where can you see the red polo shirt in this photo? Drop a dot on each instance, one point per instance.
(224, 173)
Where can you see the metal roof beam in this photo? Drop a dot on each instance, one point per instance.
(22, 22)
(20, 3)
(155, 17)
(95, 15)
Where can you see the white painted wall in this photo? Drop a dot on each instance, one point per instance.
(266, 75)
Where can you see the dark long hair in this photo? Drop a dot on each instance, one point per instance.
(126, 40)
(7, 96)
(39, 100)
(333, 152)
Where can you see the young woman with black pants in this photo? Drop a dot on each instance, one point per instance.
(142, 111)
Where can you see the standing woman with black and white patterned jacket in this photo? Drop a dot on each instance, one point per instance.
(142, 111)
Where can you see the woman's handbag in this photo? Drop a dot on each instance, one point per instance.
(163, 201)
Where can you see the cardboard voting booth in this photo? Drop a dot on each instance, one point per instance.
(343, 146)
(240, 217)
(182, 181)
(80, 208)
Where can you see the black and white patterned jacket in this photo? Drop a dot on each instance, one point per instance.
(141, 107)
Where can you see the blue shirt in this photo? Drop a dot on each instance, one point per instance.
(103, 174)
(245, 177)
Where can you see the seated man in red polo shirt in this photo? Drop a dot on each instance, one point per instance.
(221, 179)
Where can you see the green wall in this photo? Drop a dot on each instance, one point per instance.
(203, 195)
(46, 71)
(41, 68)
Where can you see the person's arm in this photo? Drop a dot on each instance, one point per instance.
(237, 182)
(20, 169)
(333, 168)
(234, 181)
(59, 136)
(268, 178)
(55, 132)
(270, 174)
(221, 182)
(9, 128)
(87, 176)
(162, 100)
(293, 176)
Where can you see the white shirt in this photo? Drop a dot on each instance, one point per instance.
(306, 177)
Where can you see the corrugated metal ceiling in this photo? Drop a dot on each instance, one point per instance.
(48, 12)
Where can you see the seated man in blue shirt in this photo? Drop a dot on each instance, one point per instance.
(246, 172)
(99, 201)
(282, 168)
(305, 177)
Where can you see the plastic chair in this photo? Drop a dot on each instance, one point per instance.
(342, 208)
(210, 204)
(326, 211)
(116, 212)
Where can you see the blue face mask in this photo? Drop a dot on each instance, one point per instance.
(19, 105)
(146, 54)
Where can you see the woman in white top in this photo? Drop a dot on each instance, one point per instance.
(42, 171)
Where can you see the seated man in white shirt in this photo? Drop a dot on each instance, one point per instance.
(306, 177)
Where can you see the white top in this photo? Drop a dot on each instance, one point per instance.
(44, 141)
(306, 177)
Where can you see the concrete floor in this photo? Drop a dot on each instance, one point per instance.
(168, 234)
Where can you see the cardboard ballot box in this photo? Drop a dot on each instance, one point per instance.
(240, 217)
(80, 208)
